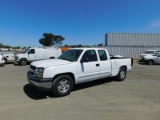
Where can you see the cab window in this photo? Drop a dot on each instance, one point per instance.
(90, 56)
(102, 55)
(32, 51)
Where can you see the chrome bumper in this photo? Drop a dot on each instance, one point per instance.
(41, 84)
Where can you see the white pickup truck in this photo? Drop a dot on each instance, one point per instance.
(8, 56)
(151, 59)
(76, 65)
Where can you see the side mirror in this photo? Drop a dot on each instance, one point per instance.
(84, 60)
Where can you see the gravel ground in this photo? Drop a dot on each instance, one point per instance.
(136, 98)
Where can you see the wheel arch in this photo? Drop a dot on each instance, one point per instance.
(151, 60)
(69, 73)
(123, 67)
(52, 57)
(23, 58)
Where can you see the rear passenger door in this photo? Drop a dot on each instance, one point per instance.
(89, 69)
(105, 64)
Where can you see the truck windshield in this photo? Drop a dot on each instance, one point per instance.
(71, 55)
(25, 51)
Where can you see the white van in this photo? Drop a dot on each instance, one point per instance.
(8, 56)
(1, 60)
(33, 54)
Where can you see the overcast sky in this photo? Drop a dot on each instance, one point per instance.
(23, 22)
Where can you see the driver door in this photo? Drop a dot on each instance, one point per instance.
(31, 55)
(89, 67)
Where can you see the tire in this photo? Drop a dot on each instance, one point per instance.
(23, 62)
(150, 62)
(5, 59)
(62, 85)
(122, 74)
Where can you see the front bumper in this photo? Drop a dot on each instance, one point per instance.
(41, 84)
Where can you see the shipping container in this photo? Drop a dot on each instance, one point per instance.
(133, 52)
(133, 39)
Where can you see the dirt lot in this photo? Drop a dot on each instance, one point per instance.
(136, 98)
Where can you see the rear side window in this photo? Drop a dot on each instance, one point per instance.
(102, 55)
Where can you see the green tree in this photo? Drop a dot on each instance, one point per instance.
(58, 40)
(50, 39)
(101, 44)
(47, 40)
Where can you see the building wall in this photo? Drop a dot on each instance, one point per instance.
(132, 39)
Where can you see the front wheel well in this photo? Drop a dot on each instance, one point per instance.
(70, 74)
(23, 59)
(150, 60)
(52, 57)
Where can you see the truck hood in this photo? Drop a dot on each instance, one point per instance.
(142, 55)
(50, 62)
(20, 54)
(149, 57)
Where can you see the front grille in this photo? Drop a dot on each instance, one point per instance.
(31, 73)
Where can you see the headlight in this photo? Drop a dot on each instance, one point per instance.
(39, 72)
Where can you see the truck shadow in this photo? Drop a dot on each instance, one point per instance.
(142, 63)
(35, 94)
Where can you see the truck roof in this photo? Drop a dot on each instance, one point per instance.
(6, 52)
(89, 48)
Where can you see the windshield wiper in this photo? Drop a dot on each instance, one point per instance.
(64, 59)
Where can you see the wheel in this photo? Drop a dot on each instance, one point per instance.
(23, 62)
(5, 59)
(122, 74)
(146, 62)
(62, 85)
(150, 62)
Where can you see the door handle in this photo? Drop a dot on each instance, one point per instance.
(97, 65)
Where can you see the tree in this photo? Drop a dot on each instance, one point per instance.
(58, 40)
(51, 39)
(101, 44)
(47, 40)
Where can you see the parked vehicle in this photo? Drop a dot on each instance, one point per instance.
(33, 54)
(151, 59)
(8, 56)
(1, 60)
(147, 52)
(111, 55)
(76, 65)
